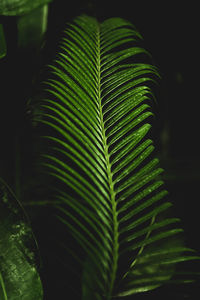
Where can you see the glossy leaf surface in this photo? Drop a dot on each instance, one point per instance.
(19, 277)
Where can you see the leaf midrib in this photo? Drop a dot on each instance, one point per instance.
(109, 174)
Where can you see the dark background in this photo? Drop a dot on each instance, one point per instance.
(171, 35)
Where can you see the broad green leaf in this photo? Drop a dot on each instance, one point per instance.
(19, 7)
(32, 26)
(19, 277)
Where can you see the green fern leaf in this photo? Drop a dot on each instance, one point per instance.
(98, 111)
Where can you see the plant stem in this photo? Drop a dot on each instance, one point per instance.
(110, 179)
(17, 167)
(3, 48)
(2, 286)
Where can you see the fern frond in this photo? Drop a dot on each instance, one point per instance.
(99, 108)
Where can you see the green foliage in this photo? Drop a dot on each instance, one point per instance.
(19, 7)
(3, 49)
(19, 278)
(31, 22)
(3, 293)
(96, 119)
(31, 27)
